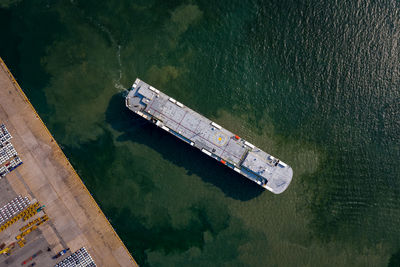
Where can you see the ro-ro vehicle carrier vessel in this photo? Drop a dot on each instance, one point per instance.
(212, 139)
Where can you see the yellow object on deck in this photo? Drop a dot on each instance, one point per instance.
(21, 243)
(25, 214)
(4, 251)
(31, 211)
(35, 224)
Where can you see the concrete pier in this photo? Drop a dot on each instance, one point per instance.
(76, 221)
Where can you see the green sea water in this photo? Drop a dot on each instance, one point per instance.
(315, 83)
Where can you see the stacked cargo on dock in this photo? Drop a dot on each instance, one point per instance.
(12, 208)
(79, 258)
(9, 159)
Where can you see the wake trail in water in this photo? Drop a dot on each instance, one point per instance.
(117, 83)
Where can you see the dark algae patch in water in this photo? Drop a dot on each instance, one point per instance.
(313, 83)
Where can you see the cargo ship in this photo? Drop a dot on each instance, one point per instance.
(212, 139)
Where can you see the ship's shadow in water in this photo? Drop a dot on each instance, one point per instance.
(136, 129)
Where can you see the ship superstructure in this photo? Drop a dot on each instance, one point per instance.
(211, 138)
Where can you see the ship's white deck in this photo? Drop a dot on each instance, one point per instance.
(209, 137)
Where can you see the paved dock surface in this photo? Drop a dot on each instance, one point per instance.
(46, 175)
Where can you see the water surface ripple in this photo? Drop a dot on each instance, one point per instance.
(315, 83)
